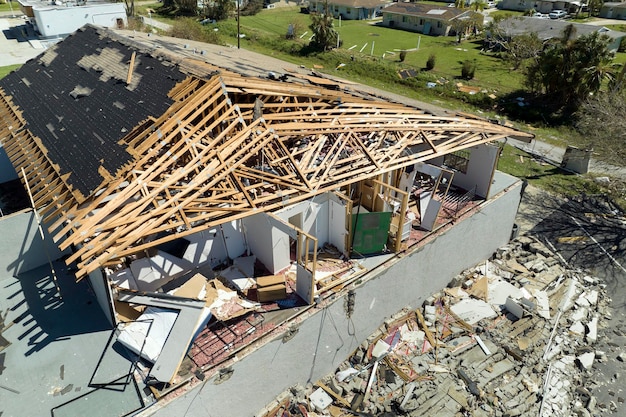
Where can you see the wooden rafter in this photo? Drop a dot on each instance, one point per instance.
(211, 159)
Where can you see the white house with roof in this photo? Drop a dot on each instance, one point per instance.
(613, 10)
(350, 9)
(542, 6)
(424, 18)
(60, 18)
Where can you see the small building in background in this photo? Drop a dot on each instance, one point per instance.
(350, 9)
(57, 19)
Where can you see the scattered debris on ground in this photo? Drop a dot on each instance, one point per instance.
(513, 336)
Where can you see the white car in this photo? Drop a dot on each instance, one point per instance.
(491, 4)
(557, 14)
(540, 15)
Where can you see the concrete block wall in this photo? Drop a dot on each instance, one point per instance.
(328, 336)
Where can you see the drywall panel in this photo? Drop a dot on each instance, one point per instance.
(407, 179)
(428, 169)
(480, 168)
(207, 246)
(267, 242)
(304, 284)
(430, 216)
(7, 172)
(233, 236)
(154, 272)
(102, 292)
(315, 215)
(21, 246)
(337, 226)
(327, 337)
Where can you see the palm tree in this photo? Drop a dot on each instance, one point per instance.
(478, 5)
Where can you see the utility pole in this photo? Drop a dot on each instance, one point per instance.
(238, 27)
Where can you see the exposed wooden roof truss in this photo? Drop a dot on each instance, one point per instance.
(230, 147)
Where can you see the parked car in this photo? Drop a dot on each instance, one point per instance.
(491, 4)
(557, 14)
(540, 15)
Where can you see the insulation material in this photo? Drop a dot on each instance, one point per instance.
(146, 336)
(224, 303)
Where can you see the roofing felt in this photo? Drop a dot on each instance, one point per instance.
(76, 100)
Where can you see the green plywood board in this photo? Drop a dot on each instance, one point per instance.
(370, 232)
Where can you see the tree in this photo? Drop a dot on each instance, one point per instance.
(252, 8)
(570, 69)
(594, 6)
(130, 7)
(430, 63)
(187, 7)
(219, 9)
(460, 4)
(324, 34)
(478, 5)
(468, 69)
(601, 119)
(523, 47)
(466, 24)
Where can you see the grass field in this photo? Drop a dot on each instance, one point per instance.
(6, 7)
(364, 39)
(7, 69)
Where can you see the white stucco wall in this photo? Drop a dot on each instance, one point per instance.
(58, 21)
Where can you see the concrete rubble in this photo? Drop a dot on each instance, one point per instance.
(513, 336)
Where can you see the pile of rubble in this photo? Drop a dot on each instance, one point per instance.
(513, 336)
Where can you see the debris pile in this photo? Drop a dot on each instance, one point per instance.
(513, 336)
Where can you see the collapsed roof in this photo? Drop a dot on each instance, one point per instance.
(125, 147)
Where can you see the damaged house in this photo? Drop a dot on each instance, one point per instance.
(192, 197)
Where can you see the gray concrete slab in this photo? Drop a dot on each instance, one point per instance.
(14, 51)
(55, 346)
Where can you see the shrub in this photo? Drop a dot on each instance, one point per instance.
(468, 69)
(402, 56)
(189, 28)
(430, 63)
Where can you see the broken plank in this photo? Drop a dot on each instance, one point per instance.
(333, 394)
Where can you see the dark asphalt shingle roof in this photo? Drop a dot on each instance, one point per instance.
(74, 97)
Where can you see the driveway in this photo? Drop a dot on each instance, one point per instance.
(15, 48)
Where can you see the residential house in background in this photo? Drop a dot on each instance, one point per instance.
(425, 18)
(350, 9)
(547, 29)
(541, 6)
(612, 10)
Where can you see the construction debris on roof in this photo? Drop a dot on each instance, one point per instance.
(125, 148)
(513, 336)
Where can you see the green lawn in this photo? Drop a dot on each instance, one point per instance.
(551, 178)
(5, 70)
(362, 39)
(6, 7)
